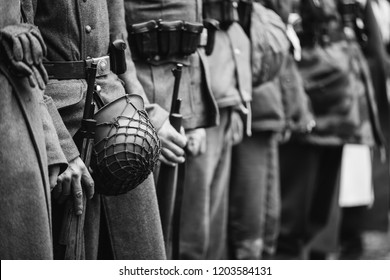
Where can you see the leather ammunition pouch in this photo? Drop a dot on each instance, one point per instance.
(323, 37)
(211, 26)
(163, 39)
(348, 11)
(245, 15)
(352, 16)
(225, 11)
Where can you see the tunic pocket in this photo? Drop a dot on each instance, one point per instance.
(66, 93)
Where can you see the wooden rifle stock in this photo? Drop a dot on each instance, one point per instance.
(72, 232)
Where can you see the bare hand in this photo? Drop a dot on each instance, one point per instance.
(237, 128)
(173, 143)
(196, 141)
(54, 170)
(70, 183)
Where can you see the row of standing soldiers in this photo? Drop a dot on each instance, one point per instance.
(270, 92)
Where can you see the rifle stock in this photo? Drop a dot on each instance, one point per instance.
(72, 231)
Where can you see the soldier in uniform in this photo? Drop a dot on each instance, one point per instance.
(162, 34)
(344, 111)
(362, 33)
(121, 227)
(31, 157)
(154, 59)
(205, 211)
(278, 106)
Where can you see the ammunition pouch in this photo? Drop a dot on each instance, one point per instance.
(211, 26)
(351, 15)
(225, 11)
(348, 11)
(164, 39)
(118, 57)
(322, 35)
(245, 15)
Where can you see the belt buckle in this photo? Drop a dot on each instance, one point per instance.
(103, 65)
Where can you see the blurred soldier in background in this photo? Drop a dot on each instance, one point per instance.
(345, 112)
(362, 32)
(376, 218)
(279, 105)
(31, 157)
(205, 211)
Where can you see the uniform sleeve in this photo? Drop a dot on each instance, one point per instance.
(65, 139)
(55, 155)
(118, 30)
(69, 148)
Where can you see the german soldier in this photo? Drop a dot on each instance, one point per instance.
(31, 156)
(205, 214)
(161, 35)
(115, 226)
(345, 112)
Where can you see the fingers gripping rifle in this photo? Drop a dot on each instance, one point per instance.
(72, 232)
(168, 186)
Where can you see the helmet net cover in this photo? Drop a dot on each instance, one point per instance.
(127, 153)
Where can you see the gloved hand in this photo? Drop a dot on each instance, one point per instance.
(23, 48)
(196, 141)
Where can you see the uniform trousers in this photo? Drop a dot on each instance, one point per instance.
(203, 229)
(254, 197)
(309, 178)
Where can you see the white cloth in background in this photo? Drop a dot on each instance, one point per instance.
(356, 176)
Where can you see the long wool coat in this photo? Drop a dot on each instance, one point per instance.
(28, 145)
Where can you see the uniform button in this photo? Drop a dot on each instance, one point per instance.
(237, 51)
(88, 29)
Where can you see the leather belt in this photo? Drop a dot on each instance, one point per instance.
(67, 70)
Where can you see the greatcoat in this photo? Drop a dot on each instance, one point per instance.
(28, 144)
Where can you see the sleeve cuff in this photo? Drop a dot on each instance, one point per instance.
(67, 144)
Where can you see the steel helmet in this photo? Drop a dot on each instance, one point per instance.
(126, 146)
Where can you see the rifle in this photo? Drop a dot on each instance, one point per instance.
(168, 188)
(72, 232)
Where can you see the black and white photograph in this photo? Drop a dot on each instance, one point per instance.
(246, 133)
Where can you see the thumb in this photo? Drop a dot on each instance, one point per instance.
(88, 184)
(53, 175)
